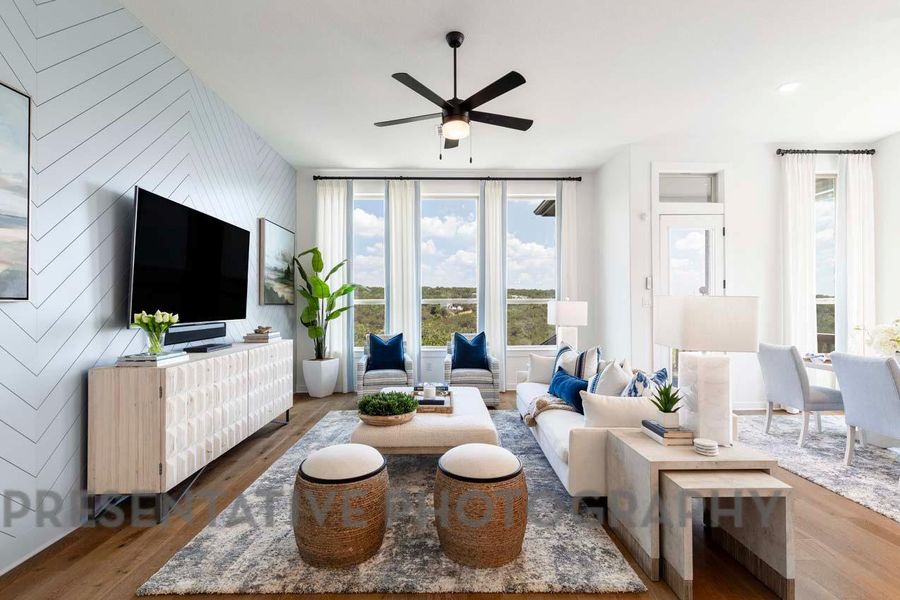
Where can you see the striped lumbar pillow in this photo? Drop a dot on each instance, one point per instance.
(583, 365)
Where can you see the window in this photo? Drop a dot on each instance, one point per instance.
(368, 264)
(449, 267)
(824, 210)
(688, 187)
(530, 268)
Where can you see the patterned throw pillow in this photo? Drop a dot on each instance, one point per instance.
(644, 384)
(583, 365)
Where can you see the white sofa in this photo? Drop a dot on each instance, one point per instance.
(575, 444)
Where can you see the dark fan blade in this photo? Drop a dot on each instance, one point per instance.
(413, 84)
(448, 143)
(506, 83)
(408, 120)
(501, 120)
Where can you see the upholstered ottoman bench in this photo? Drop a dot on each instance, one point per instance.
(339, 510)
(433, 433)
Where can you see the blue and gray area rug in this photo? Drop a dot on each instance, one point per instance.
(870, 481)
(250, 548)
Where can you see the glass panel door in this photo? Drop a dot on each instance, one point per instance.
(691, 263)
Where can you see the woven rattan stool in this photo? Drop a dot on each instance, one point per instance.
(339, 507)
(480, 505)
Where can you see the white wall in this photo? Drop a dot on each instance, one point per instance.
(887, 228)
(752, 262)
(111, 108)
(432, 360)
(752, 246)
(612, 309)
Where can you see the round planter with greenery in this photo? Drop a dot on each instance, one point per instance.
(383, 409)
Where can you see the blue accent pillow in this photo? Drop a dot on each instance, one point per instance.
(470, 354)
(385, 354)
(644, 384)
(568, 388)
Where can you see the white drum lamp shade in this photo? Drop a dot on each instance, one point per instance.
(706, 324)
(567, 315)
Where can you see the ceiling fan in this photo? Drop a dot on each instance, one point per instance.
(455, 113)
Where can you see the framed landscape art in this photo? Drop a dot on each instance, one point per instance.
(276, 267)
(15, 151)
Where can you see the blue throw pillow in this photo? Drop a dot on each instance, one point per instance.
(568, 388)
(470, 354)
(644, 384)
(385, 354)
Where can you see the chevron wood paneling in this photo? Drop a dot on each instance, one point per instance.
(112, 108)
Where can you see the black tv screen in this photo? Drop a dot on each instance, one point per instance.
(187, 262)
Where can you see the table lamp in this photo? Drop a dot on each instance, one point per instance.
(701, 324)
(568, 316)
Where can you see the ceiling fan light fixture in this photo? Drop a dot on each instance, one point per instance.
(455, 128)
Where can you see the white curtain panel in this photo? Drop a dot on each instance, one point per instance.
(494, 248)
(567, 241)
(798, 250)
(332, 201)
(403, 310)
(855, 253)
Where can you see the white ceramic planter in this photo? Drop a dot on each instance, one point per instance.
(667, 419)
(320, 376)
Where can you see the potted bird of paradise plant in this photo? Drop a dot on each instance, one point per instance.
(320, 373)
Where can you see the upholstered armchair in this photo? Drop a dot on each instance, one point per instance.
(787, 383)
(370, 381)
(486, 380)
(871, 388)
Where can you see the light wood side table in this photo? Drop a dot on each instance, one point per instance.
(633, 466)
(750, 514)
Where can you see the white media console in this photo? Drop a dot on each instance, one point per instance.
(150, 428)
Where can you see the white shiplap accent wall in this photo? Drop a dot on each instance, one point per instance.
(112, 108)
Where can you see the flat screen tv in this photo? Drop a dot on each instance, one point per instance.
(187, 262)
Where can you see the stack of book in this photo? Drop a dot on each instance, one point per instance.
(262, 338)
(152, 360)
(438, 387)
(667, 436)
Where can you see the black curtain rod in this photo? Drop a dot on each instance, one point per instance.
(403, 178)
(782, 151)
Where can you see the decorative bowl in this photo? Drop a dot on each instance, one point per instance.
(387, 420)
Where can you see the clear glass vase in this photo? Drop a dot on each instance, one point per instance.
(154, 342)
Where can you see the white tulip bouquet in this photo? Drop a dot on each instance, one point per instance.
(155, 326)
(885, 338)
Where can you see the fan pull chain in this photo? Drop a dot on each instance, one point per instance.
(470, 144)
(440, 133)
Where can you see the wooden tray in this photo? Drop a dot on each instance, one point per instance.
(444, 409)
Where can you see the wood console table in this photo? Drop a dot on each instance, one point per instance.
(150, 428)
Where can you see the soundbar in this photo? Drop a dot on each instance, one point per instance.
(194, 332)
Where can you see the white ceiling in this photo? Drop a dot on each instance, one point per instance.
(312, 76)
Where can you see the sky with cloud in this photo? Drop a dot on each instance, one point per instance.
(449, 241)
(825, 243)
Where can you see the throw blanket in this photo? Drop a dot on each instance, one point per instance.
(542, 403)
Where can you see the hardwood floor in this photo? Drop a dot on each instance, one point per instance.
(842, 549)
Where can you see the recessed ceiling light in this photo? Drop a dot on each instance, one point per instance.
(789, 87)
